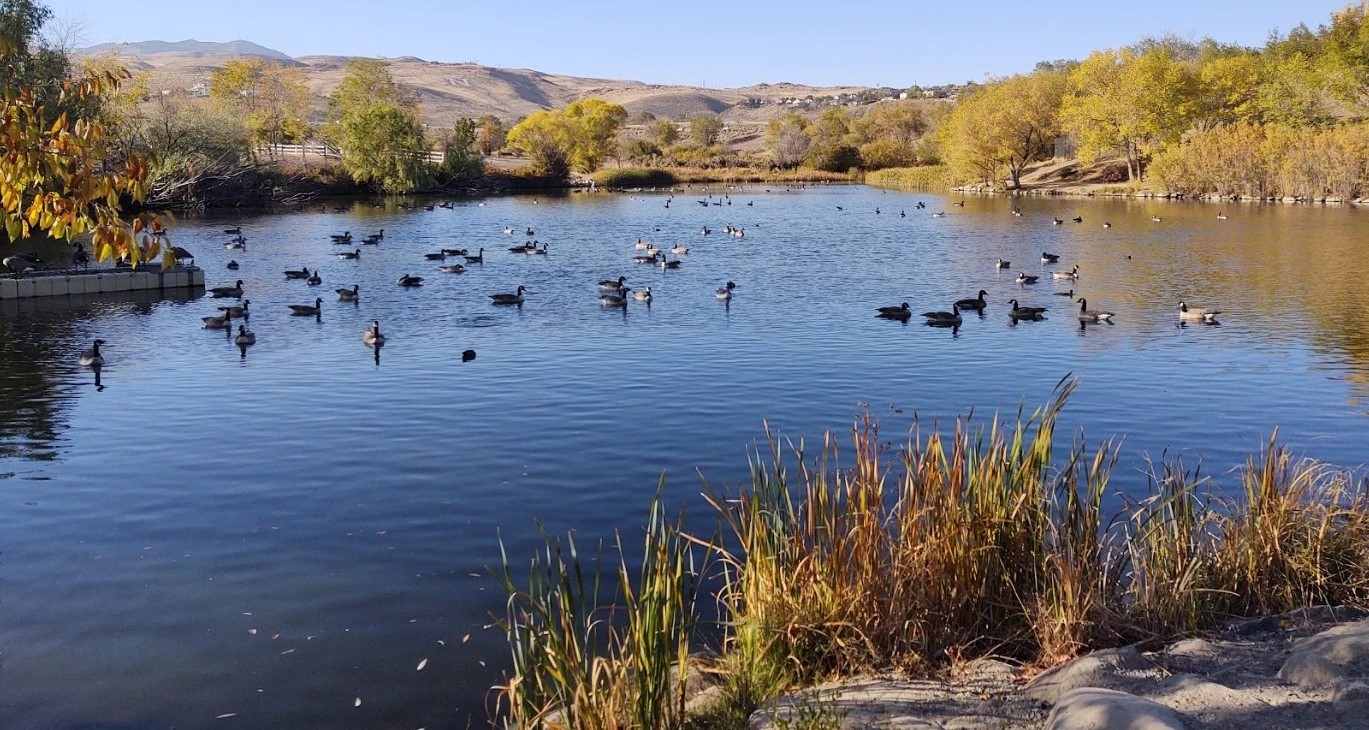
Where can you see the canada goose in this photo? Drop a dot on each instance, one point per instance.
(901, 213)
(239, 312)
(610, 299)
(454, 251)
(1024, 279)
(1001, 264)
(1155, 219)
(371, 335)
(528, 232)
(349, 295)
(245, 337)
(300, 274)
(725, 292)
(611, 285)
(672, 264)
(467, 355)
(942, 318)
(645, 259)
(508, 230)
(314, 279)
(182, 255)
(1018, 312)
(1078, 219)
(1196, 314)
(346, 236)
(976, 303)
(642, 296)
(92, 358)
(960, 204)
(1092, 315)
(1107, 225)
(374, 237)
(233, 231)
(514, 298)
(920, 205)
(1017, 212)
(679, 250)
(1069, 293)
(435, 256)
(641, 245)
(522, 248)
(223, 321)
(941, 214)
(303, 310)
(237, 244)
(79, 257)
(1057, 221)
(407, 280)
(1072, 274)
(352, 255)
(1221, 216)
(900, 312)
(227, 291)
(705, 231)
(232, 265)
(1049, 258)
(19, 263)
(476, 259)
(535, 251)
(839, 207)
(451, 269)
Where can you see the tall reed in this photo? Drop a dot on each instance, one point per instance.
(981, 540)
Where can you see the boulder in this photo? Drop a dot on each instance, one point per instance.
(1311, 670)
(1093, 708)
(1351, 703)
(1346, 644)
(1106, 668)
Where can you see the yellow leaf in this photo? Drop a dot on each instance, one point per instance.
(168, 259)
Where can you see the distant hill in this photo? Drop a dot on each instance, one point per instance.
(447, 91)
(191, 47)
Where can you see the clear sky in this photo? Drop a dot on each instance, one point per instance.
(704, 43)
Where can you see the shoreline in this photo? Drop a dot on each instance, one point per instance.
(1087, 191)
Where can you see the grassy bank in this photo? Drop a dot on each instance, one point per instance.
(986, 539)
(628, 177)
(910, 178)
(635, 177)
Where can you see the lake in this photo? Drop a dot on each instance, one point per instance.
(281, 533)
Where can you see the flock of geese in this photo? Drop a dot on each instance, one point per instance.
(616, 292)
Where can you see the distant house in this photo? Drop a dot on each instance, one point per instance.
(200, 90)
(903, 96)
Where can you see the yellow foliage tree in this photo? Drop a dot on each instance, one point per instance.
(1005, 126)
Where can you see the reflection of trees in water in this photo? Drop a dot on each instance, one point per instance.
(40, 340)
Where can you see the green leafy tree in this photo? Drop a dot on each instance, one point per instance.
(374, 122)
(830, 148)
(461, 160)
(705, 129)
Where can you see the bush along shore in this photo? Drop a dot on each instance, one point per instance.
(984, 541)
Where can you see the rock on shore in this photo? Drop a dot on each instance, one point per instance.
(1306, 669)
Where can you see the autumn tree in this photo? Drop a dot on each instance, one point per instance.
(1005, 125)
(705, 129)
(374, 122)
(53, 177)
(578, 137)
(664, 132)
(787, 141)
(272, 99)
(1121, 101)
(489, 138)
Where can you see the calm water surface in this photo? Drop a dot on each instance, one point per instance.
(280, 533)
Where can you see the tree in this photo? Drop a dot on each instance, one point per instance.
(374, 122)
(490, 138)
(1227, 90)
(460, 158)
(580, 136)
(664, 132)
(901, 121)
(705, 129)
(595, 124)
(1134, 104)
(272, 99)
(546, 138)
(53, 177)
(830, 148)
(787, 140)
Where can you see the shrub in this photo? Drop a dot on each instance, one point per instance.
(635, 177)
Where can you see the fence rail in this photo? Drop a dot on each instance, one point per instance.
(327, 152)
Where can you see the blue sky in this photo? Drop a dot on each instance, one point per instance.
(716, 44)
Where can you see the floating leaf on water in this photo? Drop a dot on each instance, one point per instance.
(287, 651)
(252, 632)
(358, 703)
(275, 636)
(226, 715)
(422, 664)
(465, 638)
(441, 642)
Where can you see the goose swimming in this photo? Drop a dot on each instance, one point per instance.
(976, 303)
(407, 280)
(514, 298)
(1025, 279)
(92, 358)
(1018, 312)
(245, 337)
(900, 312)
(304, 310)
(944, 318)
(372, 336)
(1092, 315)
(1197, 314)
(349, 295)
(725, 292)
(1072, 274)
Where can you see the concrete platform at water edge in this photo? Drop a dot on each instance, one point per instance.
(100, 281)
